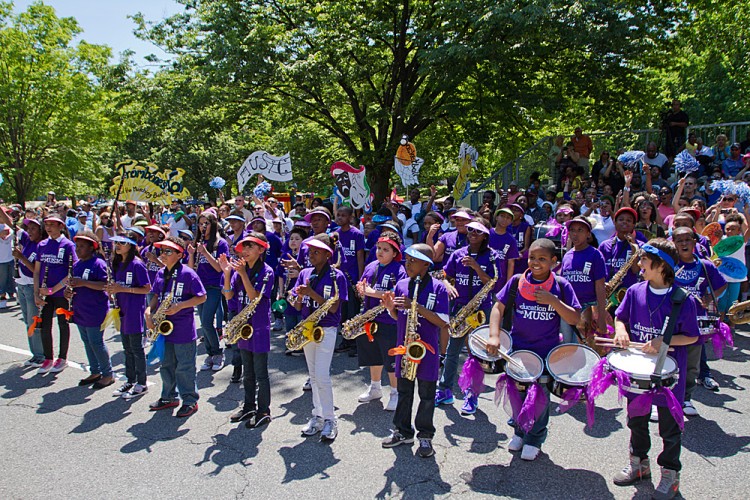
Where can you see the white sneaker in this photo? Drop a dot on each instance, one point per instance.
(654, 414)
(313, 426)
(515, 444)
(330, 430)
(208, 364)
(307, 386)
(218, 363)
(392, 402)
(135, 391)
(60, 365)
(689, 410)
(371, 394)
(529, 452)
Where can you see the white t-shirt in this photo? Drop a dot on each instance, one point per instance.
(410, 226)
(6, 246)
(658, 161)
(176, 226)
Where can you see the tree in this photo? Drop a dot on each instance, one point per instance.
(55, 115)
(367, 72)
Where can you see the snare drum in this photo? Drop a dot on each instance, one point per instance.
(707, 325)
(640, 366)
(477, 340)
(570, 365)
(533, 367)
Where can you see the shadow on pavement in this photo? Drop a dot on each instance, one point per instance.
(108, 413)
(18, 380)
(162, 426)
(234, 447)
(708, 439)
(605, 423)
(484, 434)
(70, 396)
(300, 408)
(310, 458)
(368, 418)
(411, 476)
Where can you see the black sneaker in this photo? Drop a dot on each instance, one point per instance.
(258, 421)
(241, 414)
(236, 375)
(163, 404)
(124, 388)
(425, 448)
(395, 439)
(187, 410)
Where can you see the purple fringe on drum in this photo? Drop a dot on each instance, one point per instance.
(641, 405)
(570, 399)
(533, 407)
(558, 229)
(722, 336)
(506, 393)
(603, 378)
(472, 377)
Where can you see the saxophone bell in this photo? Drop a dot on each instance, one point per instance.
(165, 327)
(416, 351)
(246, 332)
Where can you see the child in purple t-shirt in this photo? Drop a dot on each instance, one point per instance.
(641, 317)
(542, 302)
(502, 241)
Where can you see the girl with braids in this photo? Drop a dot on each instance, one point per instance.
(204, 258)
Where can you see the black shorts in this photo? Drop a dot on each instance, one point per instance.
(376, 353)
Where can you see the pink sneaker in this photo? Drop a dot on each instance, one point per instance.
(60, 365)
(46, 366)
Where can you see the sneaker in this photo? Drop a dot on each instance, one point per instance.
(395, 439)
(710, 384)
(371, 394)
(163, 404)
(330, 430)
(425, 448)
(443, 397)
(218, 363)
(124, 388)
(46, 366)
(654, 414)
(241, 414)
(313, 426)
(208, 364)
(689, 410)
(306, 386)
(33, 363)
(277, 326)
(135, 391)
(636, 470)
(516, 443)
(470, 404)
(529, 452)
(60, 365)
(186, 410)
(258, 420)
(669, 486)
(236, 375)
(392, 402)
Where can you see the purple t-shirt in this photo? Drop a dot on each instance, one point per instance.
(645, 312)
(208, 275)
(692, 277)
(337, 256)
(519, 233)
(261, 317)
(186, 285)
(274, 250)
(434, 296)
(29, 251)
(507, 248)
(132, 305)
(382, 279)
(582, 269)
(323, 285)
(90, 306)
(55, 256)
(352, 241)
(453, 240)
(151, 267)
(616, 254)
(233, 240)
(467, 281)
(536, 327)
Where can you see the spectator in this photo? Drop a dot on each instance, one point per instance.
(691, 143)
(567, 157)
(731, 166)
(657, 180)
(665, 202)
(513, 192)
(414, 204)
(677, 122)
(720, 150)
(554, 155)
(602, 163)
(583, 146)
(488, 199)
(534, 210)
(704, 155)
(655, 158)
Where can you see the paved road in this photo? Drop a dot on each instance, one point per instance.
(59, 439)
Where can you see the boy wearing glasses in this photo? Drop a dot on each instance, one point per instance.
(178, 362)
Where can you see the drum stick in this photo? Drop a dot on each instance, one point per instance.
(605, 342)
(502, 354)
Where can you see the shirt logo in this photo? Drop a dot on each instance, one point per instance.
(61, 253)
(178, 290)
(327, 292)
(352, 245)
(129, 278)
(86, 273)
(32, 257)
(587, 268)
(430, 301)
(386, 281)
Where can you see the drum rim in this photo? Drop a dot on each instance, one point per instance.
(488, 358)
(560, 380)
(523, 379)
(643, 377)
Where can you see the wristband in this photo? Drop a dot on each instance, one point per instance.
(49, 291)
(226, 290)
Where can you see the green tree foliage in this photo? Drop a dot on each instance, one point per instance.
(56, 115)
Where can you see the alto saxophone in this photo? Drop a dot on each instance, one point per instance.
(739, 313)
(414, 349)
(162, 326)
(362, 323)
(612, 289)
(468, 318)
(308, 330)
(238, 327)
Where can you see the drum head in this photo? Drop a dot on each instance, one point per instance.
(480, 336)
(572, 364)
(639, 365)
(533, 366)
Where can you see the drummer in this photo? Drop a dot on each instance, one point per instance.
(641, 317)
(701, 278)
(539, 302)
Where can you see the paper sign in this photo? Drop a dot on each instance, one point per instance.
(275, 168)
(467, 155)
(351, 185)
(144, 182)
(406, 162)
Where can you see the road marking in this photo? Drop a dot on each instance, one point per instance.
(78, 366)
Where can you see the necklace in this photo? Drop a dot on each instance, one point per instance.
(651, 312)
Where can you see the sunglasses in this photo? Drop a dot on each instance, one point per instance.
(168, 251)
(471, 230)
(121, 243)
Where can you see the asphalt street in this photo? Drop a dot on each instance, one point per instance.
(65, 441)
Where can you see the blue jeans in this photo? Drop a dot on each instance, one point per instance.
(28, 311)
(135, 358)
(96, 350)
(7, 283)
(291, 318)
(178, 372)
(538, 433)
(731, 294)
(452, 352)
(207, 313)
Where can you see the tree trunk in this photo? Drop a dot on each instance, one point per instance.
(20, 186)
